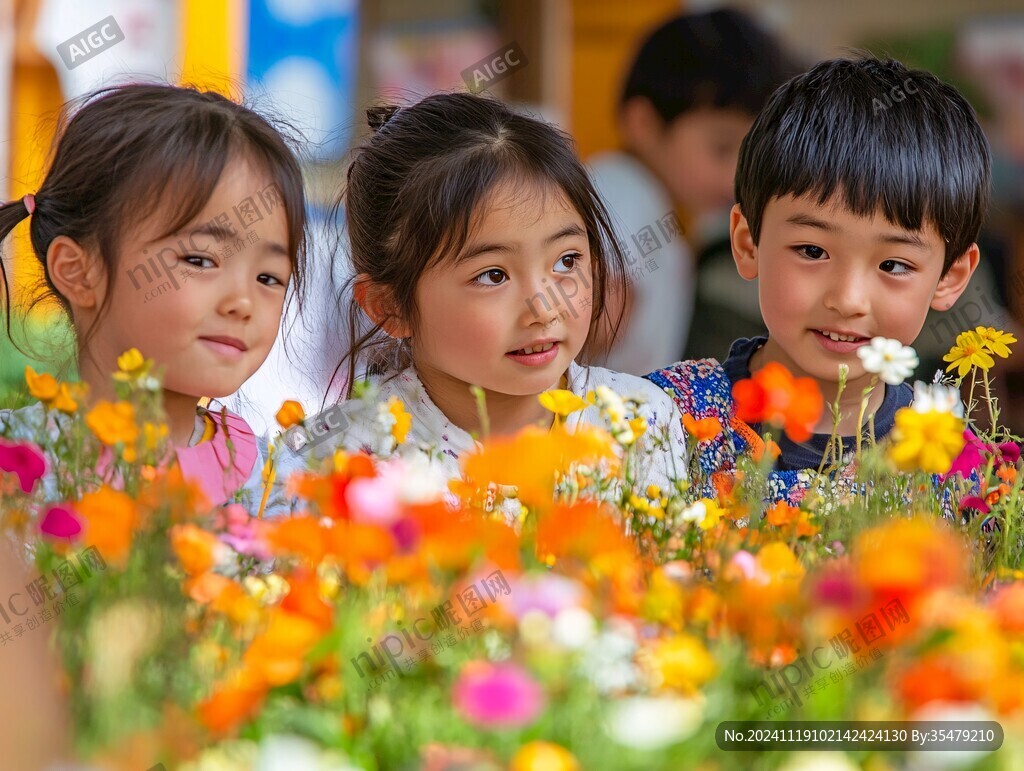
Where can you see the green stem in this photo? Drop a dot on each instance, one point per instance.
(864, 397)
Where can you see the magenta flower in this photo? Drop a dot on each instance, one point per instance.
(23, 459)
(497, 695)
(60, 522)
(976, 503)
(1009, 452)
(971, 457)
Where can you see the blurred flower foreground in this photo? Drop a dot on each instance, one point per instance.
(541, 613)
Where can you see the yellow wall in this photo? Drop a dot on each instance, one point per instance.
(606, 35)
(212, 54)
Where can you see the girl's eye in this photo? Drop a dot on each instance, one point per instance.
(493, 277)
(567, 262)
(896, 268)
(197, 260)
(272, 280)
(811, 252)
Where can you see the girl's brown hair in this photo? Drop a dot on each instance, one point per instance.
(414, 189)
(124, 151)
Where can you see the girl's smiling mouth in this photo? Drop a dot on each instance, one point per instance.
(535, 354)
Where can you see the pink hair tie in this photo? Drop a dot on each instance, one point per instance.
(30, 203)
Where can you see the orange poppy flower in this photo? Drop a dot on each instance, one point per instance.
(113, 422)
(194, 547)
(236, 700)
(772, 395)
(301, 536)
(584, 531)
(290, 414)
(277, 654)
(704, 429)
(110, 518)
(303, 599)
(531, 458)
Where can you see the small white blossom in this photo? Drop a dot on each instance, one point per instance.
(574, 628)
(695, 512)
(889, 359)
(937, 397)
(652, 723)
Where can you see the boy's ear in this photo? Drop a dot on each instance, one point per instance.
(744, 250)
(76, 273)
(378, 302)
(953, 284)
(639, 123)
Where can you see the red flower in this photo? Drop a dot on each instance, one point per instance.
(774, 396)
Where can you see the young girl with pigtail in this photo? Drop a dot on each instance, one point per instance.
(171, 221)
(484, 259)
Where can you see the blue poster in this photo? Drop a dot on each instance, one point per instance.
(303, 58)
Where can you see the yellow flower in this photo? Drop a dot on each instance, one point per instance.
(290, 414)
(131, 365)
(653, 492)
(970, 351)
(113, 422)
(403, 420)
(43, 387)
(154, 434)
(65, 400)
(712, 513)
(130, 360)
(996, 341)
(561, 402)
(681, 662)
(928, 441)
(638, 426)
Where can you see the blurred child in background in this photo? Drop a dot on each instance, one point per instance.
(689, 98)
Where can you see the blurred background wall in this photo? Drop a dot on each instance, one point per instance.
(322, 62)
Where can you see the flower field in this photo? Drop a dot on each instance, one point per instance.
(542, 613)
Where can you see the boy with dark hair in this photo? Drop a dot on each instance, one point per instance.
(690, 96)
(860, 192)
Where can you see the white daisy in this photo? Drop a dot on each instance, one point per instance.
(889, 359)
(937, 397)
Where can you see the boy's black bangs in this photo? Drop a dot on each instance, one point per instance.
(871, 147)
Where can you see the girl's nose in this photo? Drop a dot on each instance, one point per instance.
(237, 301)
(545, 301)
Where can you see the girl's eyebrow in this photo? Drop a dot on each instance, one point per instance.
(572, 229)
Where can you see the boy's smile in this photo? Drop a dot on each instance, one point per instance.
(830, 280)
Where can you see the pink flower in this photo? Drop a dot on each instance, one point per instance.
(242, 533)
(23, 459)
(497, 695)
(60, 522)
(373, 500)
(745, 563)
(548, 593)
(971, 457)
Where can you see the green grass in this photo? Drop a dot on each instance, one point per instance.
(48, 337)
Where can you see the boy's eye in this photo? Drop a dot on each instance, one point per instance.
(568, 262)
(197, 260)
(895, 267)
(492, 277)
(811, 252)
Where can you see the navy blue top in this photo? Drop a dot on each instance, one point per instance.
(807, 455)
